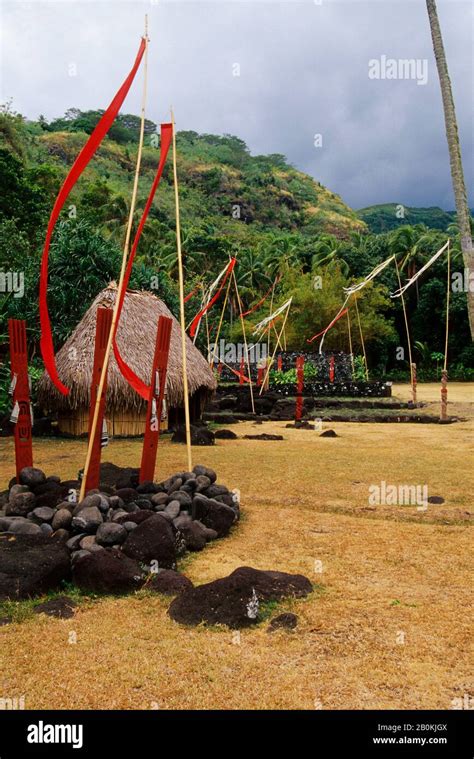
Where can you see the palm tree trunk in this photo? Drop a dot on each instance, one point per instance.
(459, 187)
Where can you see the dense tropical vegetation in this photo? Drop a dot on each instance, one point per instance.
(280, 224)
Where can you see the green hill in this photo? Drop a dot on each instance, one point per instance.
(221, 183)
(388, 216)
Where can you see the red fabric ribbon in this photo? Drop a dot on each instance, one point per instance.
(190, 295)
(95, 139)
(200, 314)
(133, 379)
(329, 326)
(257, 305)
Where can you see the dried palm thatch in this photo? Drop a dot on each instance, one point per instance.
(136, 339)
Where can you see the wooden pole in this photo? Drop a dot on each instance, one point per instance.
(444, 373)
(20, 390)
(219, 326)
(122, 272)
(407, 330)
(242, 322)
(271, 311)
(187, 421)
(270, 363)
(350, 341)
(362, 340)
(448, 293)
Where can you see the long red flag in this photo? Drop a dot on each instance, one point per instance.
(262, 300)
(331, 324)
(95, 139)
(133, 379)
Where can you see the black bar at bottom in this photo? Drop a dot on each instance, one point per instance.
(152, 733)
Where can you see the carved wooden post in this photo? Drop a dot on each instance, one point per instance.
(299, 387)
(20, 390)
(444, 395)
(155, 401)
(331, 369)
(102, 330)
(414, 382)
(266, 379)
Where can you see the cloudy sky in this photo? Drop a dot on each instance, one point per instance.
(273, 73)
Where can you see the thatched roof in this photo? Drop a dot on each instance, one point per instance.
(136, 339)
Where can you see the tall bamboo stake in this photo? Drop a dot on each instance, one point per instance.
(444, 373)
(245, 339)
(271, 311)
(412, 369)
(219, 326)
(448, 292)
(181, 302)
(362, 340)
(270, 363)
(350, 341)
(120, 285)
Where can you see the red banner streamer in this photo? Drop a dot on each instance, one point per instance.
(257, 305)
(200, 314)
(190, 295)
(133, 379)
(328, 327)
(95, 139)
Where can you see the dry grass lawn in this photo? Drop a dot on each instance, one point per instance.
(388, 625)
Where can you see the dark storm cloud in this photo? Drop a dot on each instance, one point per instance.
(303, 71)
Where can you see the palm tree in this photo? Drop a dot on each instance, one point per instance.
(407, 244)
(280, 254)
(326, 253)
(457, 175)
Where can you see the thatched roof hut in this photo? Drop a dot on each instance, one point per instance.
(125, 410)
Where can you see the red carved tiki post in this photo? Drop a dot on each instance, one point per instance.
(331, 369)
(299, 387)
(20, 389)
(156, 399)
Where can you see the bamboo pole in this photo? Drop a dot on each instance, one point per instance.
(245, 338)
(350, 341)
(271, 311)
(221, 319)
(120, 285)
(444, 373)
(412, 365)
(181, 303)
(208, 336)
(362, 340)
(270, 364)
(448, 292)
